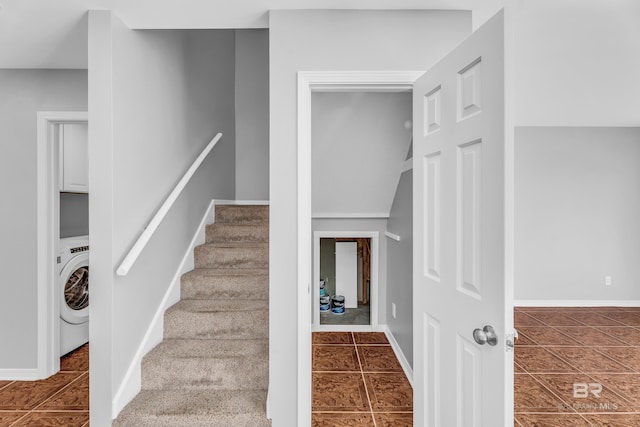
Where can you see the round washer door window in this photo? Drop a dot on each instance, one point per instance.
(74, 290)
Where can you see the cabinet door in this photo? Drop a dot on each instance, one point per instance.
(74, 158)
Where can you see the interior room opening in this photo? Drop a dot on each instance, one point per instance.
(345, 281)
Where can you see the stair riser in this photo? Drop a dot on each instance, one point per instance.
(231, 233)
(242, 214)
(231, 257)
(228, 420)
(245, 287)
(220, 325)
(206, 373)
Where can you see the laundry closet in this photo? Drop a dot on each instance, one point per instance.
(73, 259)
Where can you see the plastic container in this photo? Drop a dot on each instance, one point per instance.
(337, 304)
(325, 303)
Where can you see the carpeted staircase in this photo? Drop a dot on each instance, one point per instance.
(212, 367)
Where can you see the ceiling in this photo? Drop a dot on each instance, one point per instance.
(53, 33)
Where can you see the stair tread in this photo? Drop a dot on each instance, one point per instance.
(196, 406)
(215, 306)
(235, 245)
(209, 348)
(220, 272)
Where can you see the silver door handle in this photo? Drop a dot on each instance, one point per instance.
(486, 335)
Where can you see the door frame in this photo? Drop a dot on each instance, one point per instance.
(373, 301)
(308, 82)
(47, 236)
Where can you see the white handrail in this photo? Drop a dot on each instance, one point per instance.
(142, 241)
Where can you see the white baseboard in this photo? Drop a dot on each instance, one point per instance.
(240, 202)
(132, 381)
(575, 303)
(406, 367)
(20, 374)
(344, 328)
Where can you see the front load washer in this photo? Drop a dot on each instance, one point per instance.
(73, 291)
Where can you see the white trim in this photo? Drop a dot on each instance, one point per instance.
(575, 303)
(132, 381)
(406, 367)
(349, 215)
(407, 165)
(392, 236)
(20, 374)
(47, 236)
(148, 231)
(375, 271)
(345, 328)
(240, 202)
(314, 81)
(304, 251)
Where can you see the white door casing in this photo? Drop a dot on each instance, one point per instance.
(48, 235)
(462, 256)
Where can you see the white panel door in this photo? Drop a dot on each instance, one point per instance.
(347, 272)
(460, 221)
(74, 157)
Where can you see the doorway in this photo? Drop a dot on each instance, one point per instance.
(48, 235)
(309, 82)
(361, 306)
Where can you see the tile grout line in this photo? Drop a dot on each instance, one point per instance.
(582, 415)
(67, 386)
(366, 388)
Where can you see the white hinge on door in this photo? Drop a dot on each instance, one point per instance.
(510, 340)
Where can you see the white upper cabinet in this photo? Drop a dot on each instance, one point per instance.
(74, 158)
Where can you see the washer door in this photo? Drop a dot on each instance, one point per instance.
(74, 290)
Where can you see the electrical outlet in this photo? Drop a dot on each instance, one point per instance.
(607, 280)
(393, 309)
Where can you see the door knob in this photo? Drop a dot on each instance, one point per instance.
(486, 335)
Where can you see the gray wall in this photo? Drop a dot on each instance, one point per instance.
(74, 214)
(25, 92)
(252, 114)
(157, 97)
(400, 266)
(326, 40)
(328, 264)
(359, 143)
(576, 213)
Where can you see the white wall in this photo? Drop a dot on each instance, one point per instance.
(400, 266)
(576, 62)
(576, 213)
(252, 114)
(359, 143)
(326, 40)
(169, 92)
(24, 93)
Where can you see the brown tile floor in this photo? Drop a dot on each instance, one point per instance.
(60, 400)
(357, 379)
(577, 366)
